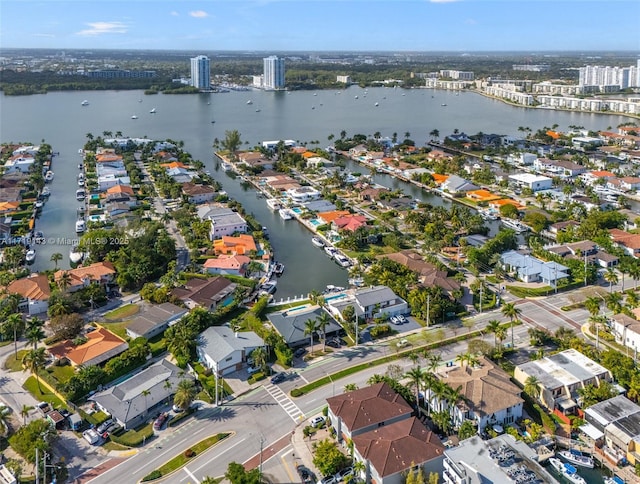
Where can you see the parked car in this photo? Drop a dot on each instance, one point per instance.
(252, 369)
(329, 480)
(177, 409)
(299, 352)
(159, 422)
(402, 319)
(394, 320)
(278, 378)
(402, 343)
(104, 426)
(91, 436)
(340, 475)
(334, 343)
(306, 476)
(318, 421)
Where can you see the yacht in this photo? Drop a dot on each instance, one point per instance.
(576, 457)
(269, 287)
(80, 194)
(330, 251)
(85, 103)
(48, 177)
(278, 269)
(134, 117)
(273, 204)
(613, 480)
(75, 255)
(80, 226)
(80, 181)
(285, 214)
(153, 111)
(30, 256)
(46, 192)
(569, 472)
(342, 259)
(515, 225)
(226, 166)
(317, 241)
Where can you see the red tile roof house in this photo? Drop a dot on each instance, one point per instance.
(386, 436)
(230, 264)
(100, 272)
(630, 243)
(35, 292)
(350, 222)
(101, 345)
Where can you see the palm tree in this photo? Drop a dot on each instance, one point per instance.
(33, 360)
(501, 334)
(310, 327)
(492, 327)
(592, 304)
(512, 312)
(145, 393)
(15, 322)
(611, 276)
(322, 322)
(167, 386)
(55, 258)
(64, 281)
(531, 387)
(416, 375)
(349, 387)
(259, 356)
(24, 413)
(435, 134)
(35, 333)
(185, 393)
(435, 361)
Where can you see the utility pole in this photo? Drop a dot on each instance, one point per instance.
(37, 468)
(585, 270)
(356, 329)
(428, 314)
(481, 296)
(216, 386)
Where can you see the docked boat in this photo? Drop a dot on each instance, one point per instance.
(81, 210)
(613, 480)
(273, 204)
(80, 166)
(443, 104)
(515, 225)
(330, 251)
(268, 287)
(487, 214)
(46, 192)
(134, 117)
(576, 457)
(75, 255)
(278, 270)
(356, 281)
(226, 166)
(317, 241)
(39, 203)
(30, 256)
(38, 237)
(285, 214)
(153, 111)
(569, 472)
(85, 103)
(80, 195)
(48, 176)
(80, 180)
(342, 259)
(81, 226)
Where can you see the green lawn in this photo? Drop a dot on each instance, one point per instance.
(133, 438)
(62, 373)
(15, 364)
(119, 328)
(42, 394)
(122, 312)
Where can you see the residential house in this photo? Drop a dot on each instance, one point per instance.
(372, 194)
(107, 181)
(589, 204)
(370, 302)
(482, 196)
(560, 376)
(242, 244)
(350, 223)
(135, 400)
(303, 194)
(329, 217)
(498, 204)
(386, 436)
(597, 177)
(457, 184)
(630, 243)
(290, 323)
(318, 162)
(75, 279)
(533, 182)
(224, 351)
(530, 269)
(20, 163)
(254, 159)
(559, 227)
(198, 193)
(428, 273)
(207, 293)
(101, 346)
(490, 398)
(477, 461)
(120, 197)
(35, 292)
(154, 320)
(398, 203)
(626, 331)
(234, 265)
(629, 183)
(224, 221)
(560, 168)
(632, 221)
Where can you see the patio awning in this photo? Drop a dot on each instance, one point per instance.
(590, 431)
(566, 403)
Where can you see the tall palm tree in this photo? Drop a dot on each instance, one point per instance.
(15, 322)
(259, 356)
(435, 361)
(185, 393)
(592, 304)
(33, 361)
(24, 413)
(310, 327)
(35, 333)
(501, 334)
(64, 281)
(145, 393)
(55, 258)
(512, 312)
(322, 322)
(416, 375)
(492, 327)
(167, 386)
(532, 387)
(611, 276)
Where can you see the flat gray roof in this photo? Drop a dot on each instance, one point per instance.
(290, 323)
(220, 341)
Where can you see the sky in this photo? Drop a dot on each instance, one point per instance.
(323, 25)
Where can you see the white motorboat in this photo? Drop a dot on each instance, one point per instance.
(576, 457)
(38, 237)
(273, 204)
(85, 103)
(317, 241)
(80, 195)
(46, 192)
(269, 287)
(488, 214)
(613, 480)
(569, 472)
(81, 226)
(249, 101)
(153, 111)
(356, 281)
(134, 117)
(75, 255)
(226, 166)
(515, 225)
(285, 214)
(278, 270)
(30, 256)
(48, 176)
(330, 251)
(342, 259)
(39, 204)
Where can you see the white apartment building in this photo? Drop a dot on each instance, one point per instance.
(623, 77)
(303, 194)
(590, 104)
(273, 77)
(451, 85)
(201, 72)
(457, 75)
(511, 93)
(343, 79)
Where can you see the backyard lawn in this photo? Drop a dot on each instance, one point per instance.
(119, 328)
(122, 312)
(62, 373)
(31, 385)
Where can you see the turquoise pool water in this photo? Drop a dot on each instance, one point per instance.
(297, 210)
(315, 222)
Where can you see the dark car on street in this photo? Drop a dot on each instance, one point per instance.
(306, 476)
(159, 422)
(278, 378)
(299, 352)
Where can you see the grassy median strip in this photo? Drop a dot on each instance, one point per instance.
(181, 460)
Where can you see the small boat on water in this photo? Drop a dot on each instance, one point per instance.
(38, 237)
(39, 203)
(80, 166)
(80, 210)
(134, 117)
(268, 287)
(75, 255)
(569, 472)
(342, 259)
(285, 214)
(46, 192)
(317, 241)
(613, 480)
(488, 214)
(519, 227)
(249, 101)
(153, 111)
(80, 226)
(48, 176)
(443, 104)
(576, 457)
(80, 195)
(330, 251)
(30, 256)
(356, 281)
(85, 103)
(273, 204)
(226, 166)
(278, 269)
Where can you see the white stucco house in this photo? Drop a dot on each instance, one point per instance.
(223, 351)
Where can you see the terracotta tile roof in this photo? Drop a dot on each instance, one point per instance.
(506, 201)
(227, 262)
(329, 217)
(482, 195)
(439, 179)
(99, 343)
(95, 272)
(9, 206)
(368, 406)
(395, 448)
(240, 244)
(121, 189)
(191, 189)
(107, 157)
(350, 222)
(602, 174)
(34, 287)
(174, 164)
(429, 274)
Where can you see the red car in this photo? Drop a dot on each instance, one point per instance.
(162, 418)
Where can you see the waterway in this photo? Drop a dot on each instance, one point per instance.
(60, 120)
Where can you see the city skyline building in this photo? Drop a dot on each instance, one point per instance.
(274, 70)
(201, 72)
(610, 76)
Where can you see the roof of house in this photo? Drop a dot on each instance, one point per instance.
(34, 287)
(350, 222)
(121, 189)
(219, 342)
(95, 272)
(457, 183)
(430, 275)
(487, 388)
(205, 291)
(616, 410)
(125, 401)
(100, 343)
(482, 195)
(291, 322)
(397, 447)
(371, 296)
(154, 316)
(239, 244)
(368, 406)
(235, 262)
(191, 189)
(329, 217)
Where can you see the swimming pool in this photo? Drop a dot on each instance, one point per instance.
(297, 210)
(315, 222)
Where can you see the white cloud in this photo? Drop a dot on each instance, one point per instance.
(99, 28)
(199, 14)
(174, 14)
